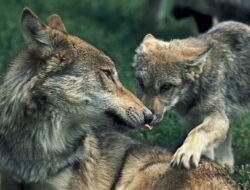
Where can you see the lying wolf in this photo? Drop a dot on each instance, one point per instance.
(50, 91)
(116, 162)
(206, 79)
(52, 95)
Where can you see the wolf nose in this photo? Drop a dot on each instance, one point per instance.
(148, 118)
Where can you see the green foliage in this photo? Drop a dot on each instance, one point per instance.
(242, 175)
(118, 27)
(170, 133)
(241, 139)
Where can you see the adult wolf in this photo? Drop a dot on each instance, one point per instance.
(51, 90)
(206, 79)
(52, 95)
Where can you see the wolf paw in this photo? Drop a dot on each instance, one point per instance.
(185, 157)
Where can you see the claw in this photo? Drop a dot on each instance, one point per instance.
(185, 160)
(194, 161)
(173, 163)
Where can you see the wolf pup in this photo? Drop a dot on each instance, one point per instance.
(206, 79)
(54, 97)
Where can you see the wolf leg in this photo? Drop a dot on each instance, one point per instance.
(195, 121)
(224, 154)
(213, 129)
(210, 153)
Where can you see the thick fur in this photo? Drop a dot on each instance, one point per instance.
(51, 90)
(206, 79)
(52, 96)
(116, 162)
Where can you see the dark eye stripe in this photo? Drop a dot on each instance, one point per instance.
(140, 82)
(166, 87)
(108, 74)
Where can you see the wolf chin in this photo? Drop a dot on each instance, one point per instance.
(54, 98)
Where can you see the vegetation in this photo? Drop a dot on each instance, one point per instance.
(117, 27)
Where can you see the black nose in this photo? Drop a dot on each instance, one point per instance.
(148, 118)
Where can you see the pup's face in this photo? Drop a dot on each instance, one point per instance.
(165, 72)
(79, 79)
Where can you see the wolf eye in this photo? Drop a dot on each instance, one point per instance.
(166, 87)
(108, 74)
(140, 82)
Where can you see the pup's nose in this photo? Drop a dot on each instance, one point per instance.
(148, 117)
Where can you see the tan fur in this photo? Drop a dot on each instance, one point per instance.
(53, 90)
(134, 166)
(203, 79)
(55, 21)
(59, 142)
(174, 51)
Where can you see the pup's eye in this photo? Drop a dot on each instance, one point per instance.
(166, 87)
(62, 59)
(140, 82)
(108, 74)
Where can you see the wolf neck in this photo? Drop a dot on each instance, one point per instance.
(41, 150)
(34, 142)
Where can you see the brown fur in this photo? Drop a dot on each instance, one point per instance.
(51, 92)
(174, 51)
(69, 90)
(129, 165)
(205, 79)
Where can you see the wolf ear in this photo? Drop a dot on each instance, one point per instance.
(54, 21)
(148, 37)
(34, 32)
(200, 58)
(195, 67)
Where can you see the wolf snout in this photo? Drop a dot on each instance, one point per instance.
(148, 117)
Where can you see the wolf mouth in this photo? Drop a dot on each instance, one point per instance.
(117, 119)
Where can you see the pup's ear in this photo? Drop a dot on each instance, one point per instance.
(148, 37)
(34, 32)
(195, 67)
(54, 21)
(200, 58)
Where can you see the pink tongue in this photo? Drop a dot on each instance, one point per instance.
(147, 126)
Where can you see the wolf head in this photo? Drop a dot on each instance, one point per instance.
(52, 93)
(59, 71)
(167, 71)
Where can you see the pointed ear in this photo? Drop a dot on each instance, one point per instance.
(148, 37)
(195, 68)
(54, 21)
(200, 58)
(34, 32)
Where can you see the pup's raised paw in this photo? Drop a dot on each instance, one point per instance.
(185, 157)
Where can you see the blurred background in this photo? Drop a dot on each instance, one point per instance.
(117, 27)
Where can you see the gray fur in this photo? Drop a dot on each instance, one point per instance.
(50, 94)
(53, 103)
(209, 77)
